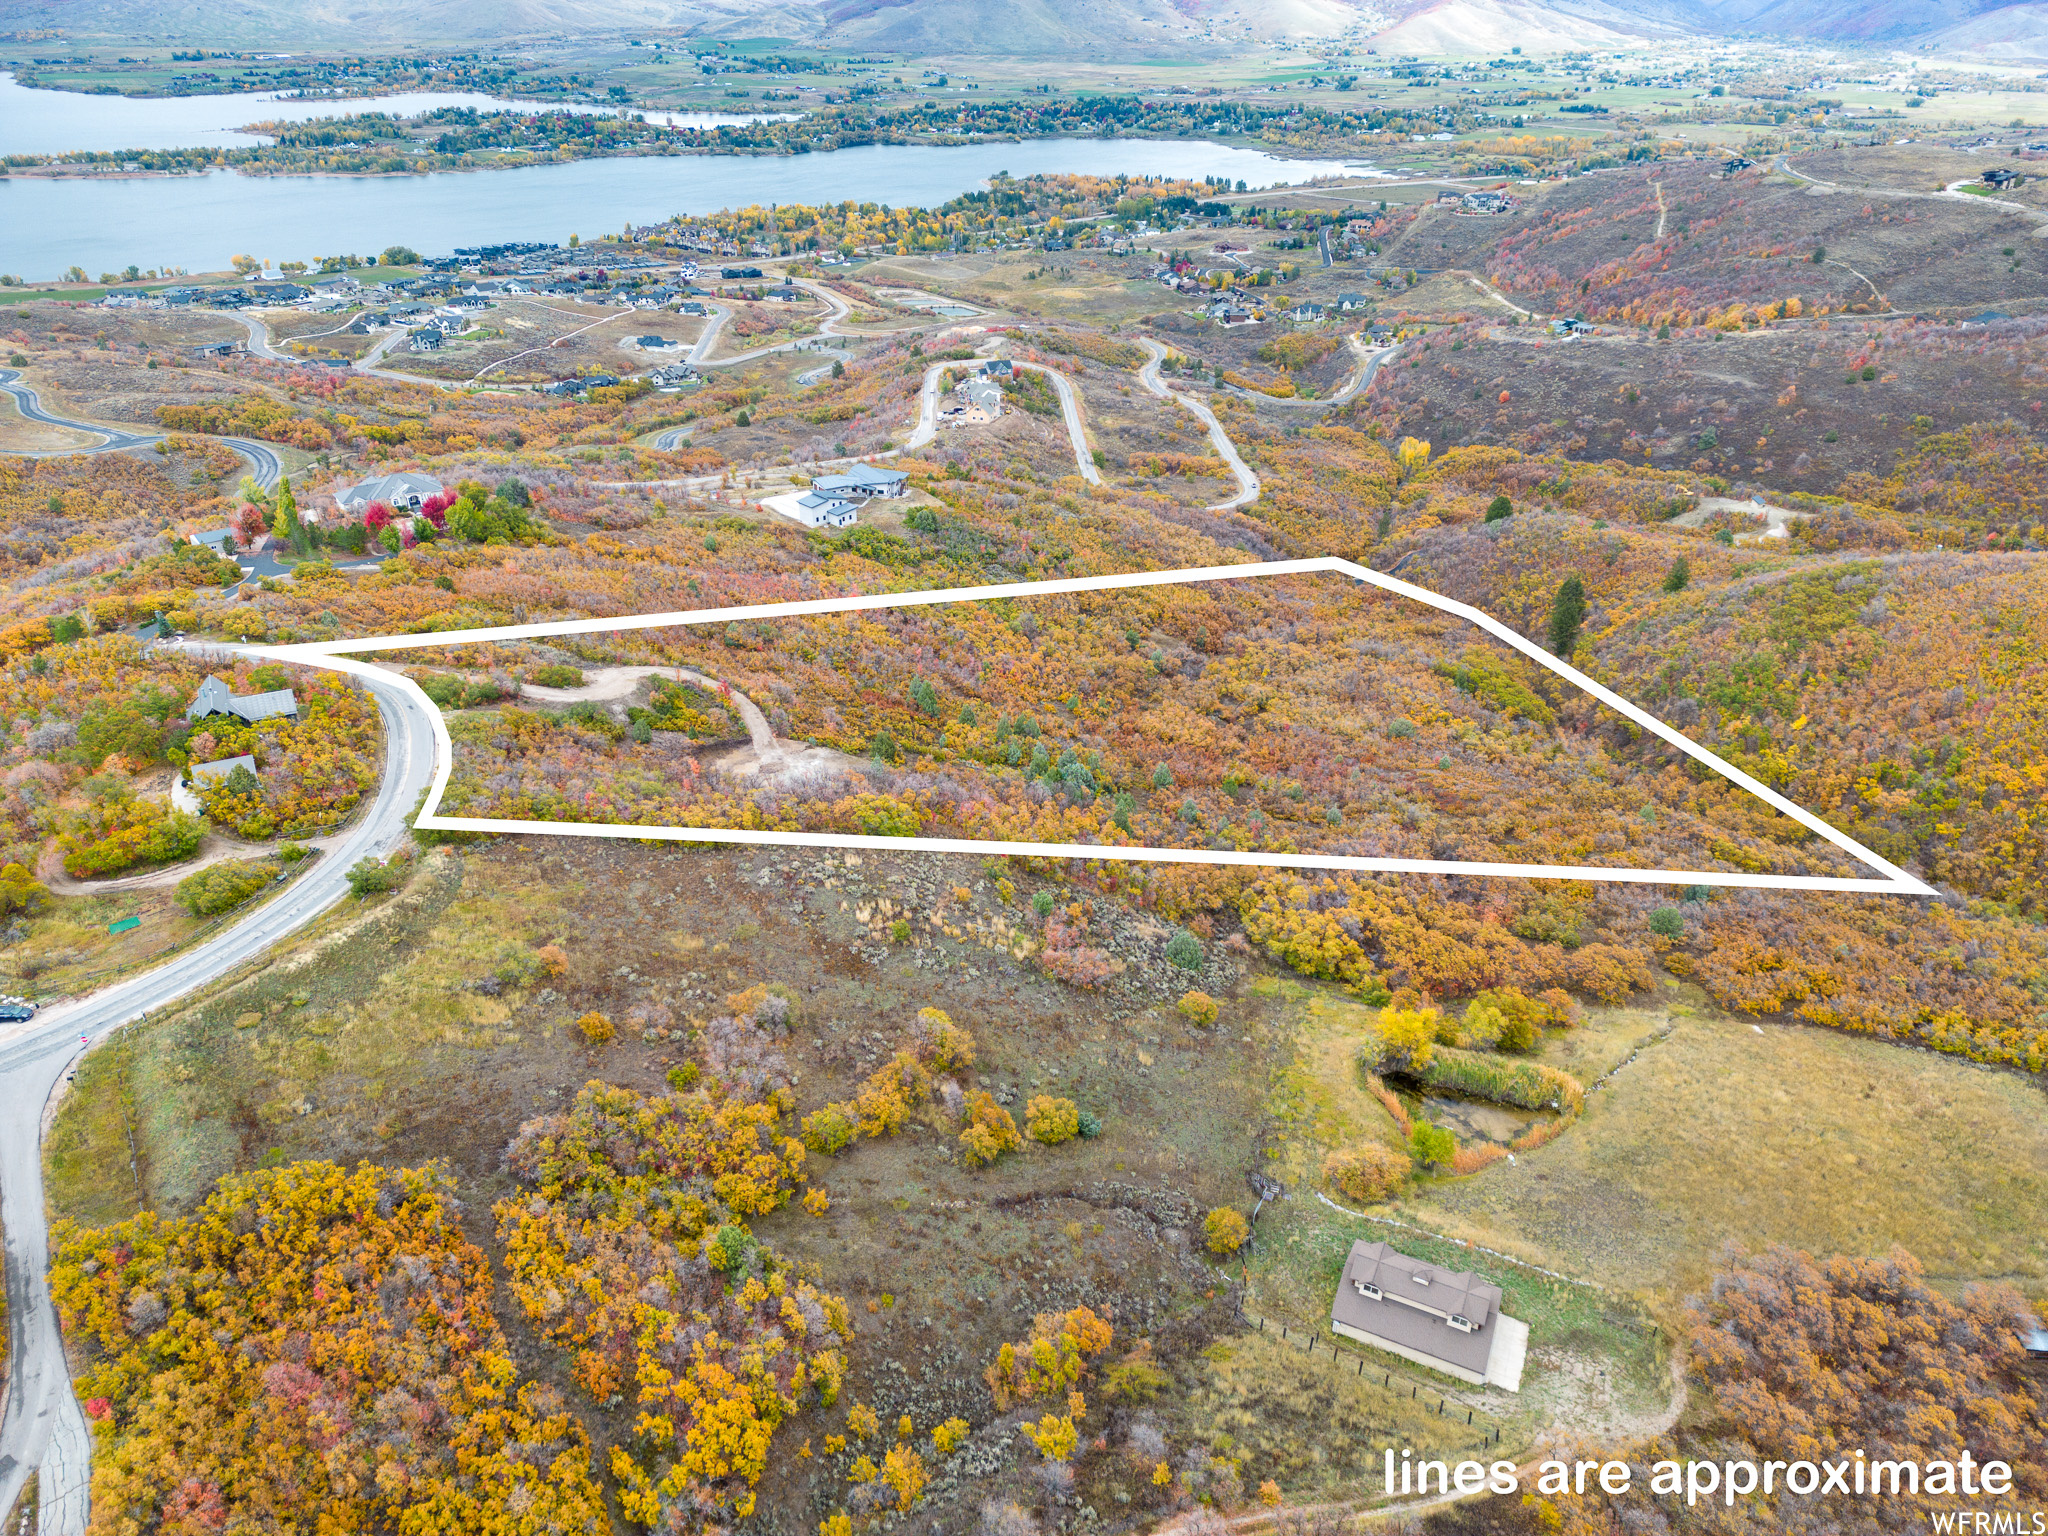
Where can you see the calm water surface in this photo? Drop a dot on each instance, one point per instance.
(38, 122)
(198, 222)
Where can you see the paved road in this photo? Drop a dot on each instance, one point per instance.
(44, 1426)
(30, 404)
(1247, 482)
(259, 336)
(1070, 407)
(700, 354)
(265, 467)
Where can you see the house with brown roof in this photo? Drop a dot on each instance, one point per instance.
(1449, 1320)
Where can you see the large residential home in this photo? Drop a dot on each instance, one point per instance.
(1449, 1320)
(816, 509)
(982, 402)
(402, 491)
(426, 339)
(215, 697)
(863, 480)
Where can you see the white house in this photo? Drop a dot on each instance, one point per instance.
(814, 509)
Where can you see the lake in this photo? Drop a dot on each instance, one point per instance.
(38, 122)
(198, 221)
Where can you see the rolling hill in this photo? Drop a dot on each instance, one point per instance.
(1070, 29)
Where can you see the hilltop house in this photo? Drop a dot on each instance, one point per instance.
(1448, 1320)
(863, 480)
(982, 402)
(814, 508)
(215, 697)
(402, 491)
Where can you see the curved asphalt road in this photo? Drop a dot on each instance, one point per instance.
(1247, 482)
(1070, 408)
(44, 1427)
(265, 467)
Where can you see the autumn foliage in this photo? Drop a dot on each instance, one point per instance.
(312, 1349)
(1052, 1361)
(633, 1251)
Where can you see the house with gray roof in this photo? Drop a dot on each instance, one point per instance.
(402, 491)
(215, 697)
(815, 509)
(203, 774)
(1449, 1320)
(863, 480)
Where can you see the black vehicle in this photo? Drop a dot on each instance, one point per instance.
(16, 1013)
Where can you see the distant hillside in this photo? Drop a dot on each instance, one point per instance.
(1077, 29)
(1050, 29)
(2010, 32)
(2013, 34)
(1494, 26)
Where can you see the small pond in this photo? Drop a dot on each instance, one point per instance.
(1474, 1120)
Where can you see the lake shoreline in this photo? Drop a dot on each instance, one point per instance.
(62, 171)
(196, 220)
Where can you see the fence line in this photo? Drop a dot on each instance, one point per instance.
(1310, 1338)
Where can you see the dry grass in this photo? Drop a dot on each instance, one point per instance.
(1824, 1141)
(1318, 1101)
(68, 950)
(308, 1058)
(572, 336)
(1094, 289)
(1319, 1423)
(19, 435)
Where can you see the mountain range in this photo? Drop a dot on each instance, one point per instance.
(1104, 30)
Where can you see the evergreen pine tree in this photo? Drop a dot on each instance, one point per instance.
(1567, 613)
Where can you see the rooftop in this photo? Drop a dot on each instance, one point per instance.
(1449, 1319)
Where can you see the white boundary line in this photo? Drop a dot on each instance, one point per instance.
(332, 654)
